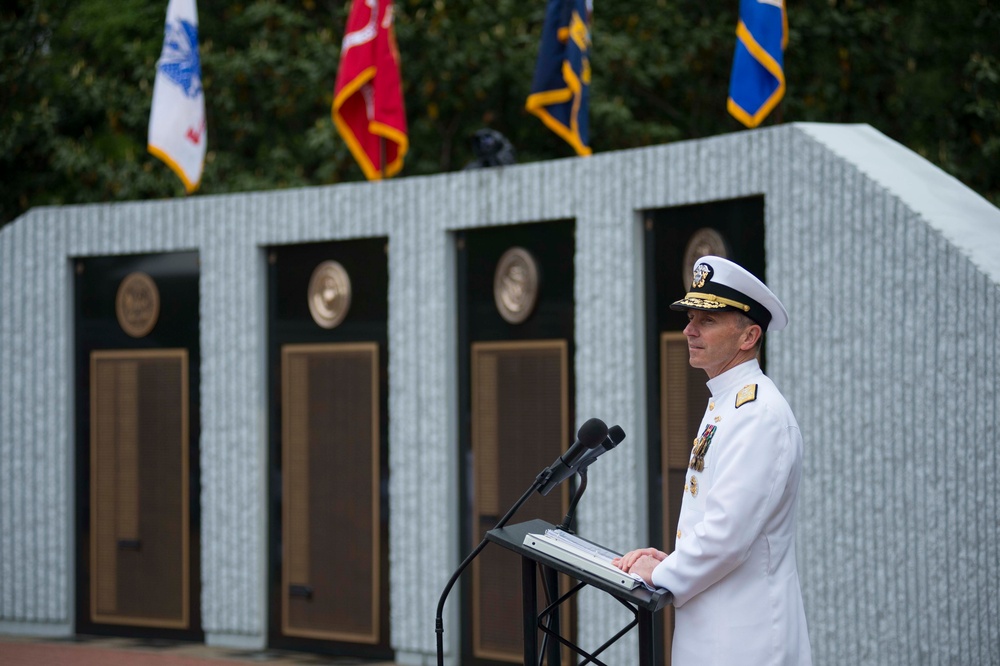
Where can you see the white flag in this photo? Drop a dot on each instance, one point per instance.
(177, 132)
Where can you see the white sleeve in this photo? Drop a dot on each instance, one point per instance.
(752, 469)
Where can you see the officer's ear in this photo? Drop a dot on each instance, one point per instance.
(750, 337)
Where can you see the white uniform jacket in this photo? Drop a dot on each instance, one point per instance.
(733, 573)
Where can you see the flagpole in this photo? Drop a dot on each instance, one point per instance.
(381, 139)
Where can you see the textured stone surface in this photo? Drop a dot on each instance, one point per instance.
(888, 267)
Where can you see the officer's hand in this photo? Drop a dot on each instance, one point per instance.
(644, 568)
(626, 561)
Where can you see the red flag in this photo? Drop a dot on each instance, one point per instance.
(368, 95)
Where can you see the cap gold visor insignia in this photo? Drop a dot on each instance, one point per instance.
(710, 302)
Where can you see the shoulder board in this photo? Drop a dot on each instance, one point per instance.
(747, 394)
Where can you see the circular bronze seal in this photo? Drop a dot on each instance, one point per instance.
(329, 294)
(137, 304)
(703, 242)
(515, 285)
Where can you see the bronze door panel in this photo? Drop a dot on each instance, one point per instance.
(520, 403)
(139, 488)
(330, 478)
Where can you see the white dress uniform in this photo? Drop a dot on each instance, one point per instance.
(733, 574)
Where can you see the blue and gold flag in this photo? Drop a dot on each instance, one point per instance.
(757, 82)
(560, 91)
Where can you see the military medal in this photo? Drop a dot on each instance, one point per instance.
(700, 448)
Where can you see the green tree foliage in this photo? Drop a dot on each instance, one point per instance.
(926, 74)
(76, 78)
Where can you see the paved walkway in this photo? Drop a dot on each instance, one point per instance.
(94, 651)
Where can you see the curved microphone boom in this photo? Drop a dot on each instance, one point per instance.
(614, 438)
(590, 436)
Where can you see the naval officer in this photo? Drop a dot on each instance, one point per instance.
(732, 573)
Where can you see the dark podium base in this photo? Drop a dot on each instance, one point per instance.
(643, 603)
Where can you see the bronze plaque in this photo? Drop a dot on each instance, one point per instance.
(520, 415)
(329, 294)
(703, 242)
(137, 304)
(331, 501)
(515, 285)
(139, 493)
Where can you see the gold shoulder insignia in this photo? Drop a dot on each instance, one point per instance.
(747, 394)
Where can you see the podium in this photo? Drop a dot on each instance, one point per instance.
(643, 603)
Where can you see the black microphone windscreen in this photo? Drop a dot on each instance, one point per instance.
(616, 434)
(589, 438)
(592, 433)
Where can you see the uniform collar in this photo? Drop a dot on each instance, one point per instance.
(734, 377)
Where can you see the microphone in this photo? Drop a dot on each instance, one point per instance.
(590, 436)
(615, 435)
(614, 438)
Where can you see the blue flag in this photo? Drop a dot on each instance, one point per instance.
(757, 82)
(560, 91)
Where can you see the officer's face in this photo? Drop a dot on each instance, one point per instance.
(715, 340)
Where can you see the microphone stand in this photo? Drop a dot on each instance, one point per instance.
(438, 621)
(568, 519)
(565, 526)
(590, 429)
(616, 435)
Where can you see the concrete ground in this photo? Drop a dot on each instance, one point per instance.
(103, 651)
